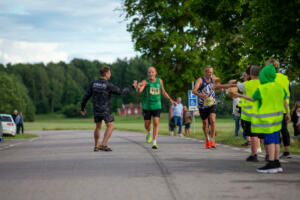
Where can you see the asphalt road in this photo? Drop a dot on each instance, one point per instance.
(62, 165)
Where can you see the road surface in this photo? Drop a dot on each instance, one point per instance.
(62, 165)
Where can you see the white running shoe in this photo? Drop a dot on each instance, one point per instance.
(259, 150)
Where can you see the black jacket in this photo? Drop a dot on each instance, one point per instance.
(101, 91)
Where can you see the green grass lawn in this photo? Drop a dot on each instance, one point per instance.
(225, 127)
(20, 136)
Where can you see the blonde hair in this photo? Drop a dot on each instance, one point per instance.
(274, 62)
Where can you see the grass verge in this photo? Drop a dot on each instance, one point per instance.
(225, 127)
(19, 136)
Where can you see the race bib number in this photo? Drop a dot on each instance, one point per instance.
(154, 91)
(209, 101)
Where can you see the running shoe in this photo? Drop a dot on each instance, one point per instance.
(267, 158)
(278, 166)
(154, 145)
(285, 155)
(148, 138)
(259, 150)
(268, 168)
(207, 144)
(212, 144)
(252, 158)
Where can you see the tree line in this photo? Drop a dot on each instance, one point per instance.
(59, 87)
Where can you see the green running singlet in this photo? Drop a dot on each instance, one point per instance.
(152, 95)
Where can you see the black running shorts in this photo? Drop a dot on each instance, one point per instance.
(107, 118)
(205, 112)
(248, 132)
(148, 113)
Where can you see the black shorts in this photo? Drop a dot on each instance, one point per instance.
(148, 113)
(187, 126)
(107, 118)
(205, 112)
(247, 127)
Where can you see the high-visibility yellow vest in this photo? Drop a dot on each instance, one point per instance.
(247, 109)
(267, 118)
(241, 102)
(283, 80)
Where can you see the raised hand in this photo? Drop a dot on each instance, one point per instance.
(135, 84)
(83, 112)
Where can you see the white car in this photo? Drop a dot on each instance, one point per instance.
(8, 125)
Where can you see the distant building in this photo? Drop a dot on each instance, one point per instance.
(130, 109)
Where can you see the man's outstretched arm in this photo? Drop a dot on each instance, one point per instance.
(116, 90)
(86, 97)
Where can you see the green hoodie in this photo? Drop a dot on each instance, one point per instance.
(267, 74)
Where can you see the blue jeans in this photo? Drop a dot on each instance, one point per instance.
(237, 125)
(177, 121)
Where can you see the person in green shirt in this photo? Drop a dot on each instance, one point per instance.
(152, 88)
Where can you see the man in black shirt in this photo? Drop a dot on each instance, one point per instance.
(101, 91)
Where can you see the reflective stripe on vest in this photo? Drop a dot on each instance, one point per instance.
(283, 80)
(268, 117)
(247, 110)
(264, 115)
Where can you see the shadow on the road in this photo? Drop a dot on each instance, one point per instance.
(224, 166)
(280, 181)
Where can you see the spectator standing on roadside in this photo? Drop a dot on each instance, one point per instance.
(176, 113)
(14, 115)
(283, 80)
(236, 115)
(20, 123)
(187, 119)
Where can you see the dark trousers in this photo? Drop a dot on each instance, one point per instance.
(285, 133)
(20, 126)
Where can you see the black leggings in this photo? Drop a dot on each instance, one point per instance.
(285, 133)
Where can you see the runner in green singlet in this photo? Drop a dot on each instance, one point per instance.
(152, 88)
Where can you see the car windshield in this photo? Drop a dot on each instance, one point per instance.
(5, 119)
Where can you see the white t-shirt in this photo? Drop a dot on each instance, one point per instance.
(235, 110)
(177, 110)
(241, 87)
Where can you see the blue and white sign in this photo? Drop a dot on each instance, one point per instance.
(192, 101)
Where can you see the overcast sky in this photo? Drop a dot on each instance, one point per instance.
(55, 30)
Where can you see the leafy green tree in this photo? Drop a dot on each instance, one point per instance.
(14, 96)
(273, 30)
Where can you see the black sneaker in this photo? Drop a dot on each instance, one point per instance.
(285, 155)
(245, 144)
(278, 166)
(252, 158)
(267, 158)
(268, 168)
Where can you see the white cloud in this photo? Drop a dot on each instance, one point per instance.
(29, 52)
(91, 29)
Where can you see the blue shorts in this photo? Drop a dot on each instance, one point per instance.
(272, 138)
(187, 126)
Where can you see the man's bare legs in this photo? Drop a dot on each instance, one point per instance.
(108, 132)
(205, 128)
(97, 133)
(213, 125)
(254, 145)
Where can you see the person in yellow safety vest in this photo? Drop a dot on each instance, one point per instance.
(248, 88)
(270, 103)
(245, 78)
(283, 80)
